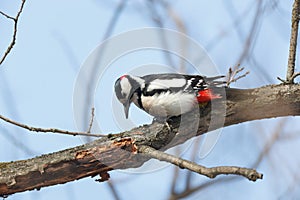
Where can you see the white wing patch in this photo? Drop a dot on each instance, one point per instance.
(189, 83)
(169, 104)
(166, 83)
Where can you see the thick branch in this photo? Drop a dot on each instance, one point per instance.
(119, 151)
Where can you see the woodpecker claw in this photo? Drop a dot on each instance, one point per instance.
(163, 120)
(168, 126)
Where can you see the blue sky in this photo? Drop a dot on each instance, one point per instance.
(56, 37)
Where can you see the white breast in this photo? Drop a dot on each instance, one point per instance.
(168, 104)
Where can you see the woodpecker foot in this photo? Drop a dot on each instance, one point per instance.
(168, 126)
(163, 120)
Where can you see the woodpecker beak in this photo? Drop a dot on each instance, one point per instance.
(126, 108)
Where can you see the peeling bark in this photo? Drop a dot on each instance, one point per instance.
(119, 151)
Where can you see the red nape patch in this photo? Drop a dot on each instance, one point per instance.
(206, 96)
(124, 76)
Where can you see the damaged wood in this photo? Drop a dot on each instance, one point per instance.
(126, 144)
(96, 158)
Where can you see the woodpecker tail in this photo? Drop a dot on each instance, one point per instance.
(211, 81)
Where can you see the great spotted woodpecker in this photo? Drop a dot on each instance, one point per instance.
(166, 95)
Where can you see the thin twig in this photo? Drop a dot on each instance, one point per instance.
(14, 37)
(207, 184)
(175, 174)
(159, 21)
(49, 130)
(6, 15)
(181, 28)
(212, 172)
(295, 75)
(113, 190)
(195, 153)
(92, 120)
(270, 143)
(232, 73)
(249, 43)
(113, 21)
(18, 144)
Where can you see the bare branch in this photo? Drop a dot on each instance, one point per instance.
(49, 130)
(92, 120)
(210, 183)
(232, 73)
(112, 23)
(6, 15)
(281, 79)
(290, 75)
(212, 172)
(181, 28)
(17, 143)
(14, 37)
(264, 152)
(295, 75)
(175, 174)
(270, 143)
(113, 190)
(249, 43)
(195, 153)
(159, 21)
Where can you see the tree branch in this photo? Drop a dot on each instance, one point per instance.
(212, 172)
(232, 74)
(290, 75)
(120, 151)
(49, 130)
(91, 120)
(14, 37)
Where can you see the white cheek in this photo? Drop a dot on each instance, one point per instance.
(125, 87)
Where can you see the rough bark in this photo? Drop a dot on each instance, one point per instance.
(119, 151)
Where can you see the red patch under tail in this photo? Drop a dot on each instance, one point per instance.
(206, 96)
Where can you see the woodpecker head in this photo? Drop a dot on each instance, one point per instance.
(126, 87)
